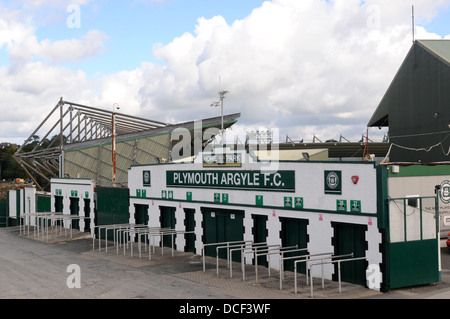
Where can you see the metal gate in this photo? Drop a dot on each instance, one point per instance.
(413, 248)
(220, 225)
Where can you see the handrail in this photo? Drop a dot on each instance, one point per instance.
(215, 244)
(245, 251)
(111, 226)
(315, 259)
(58, 217)
(305, 257)
(145, 232)
(229, 261)
(166, 233)
(339, 270)
(291, 249)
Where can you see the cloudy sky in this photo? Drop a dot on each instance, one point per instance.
(303, 67)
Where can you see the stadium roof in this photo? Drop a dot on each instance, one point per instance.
(80, 143)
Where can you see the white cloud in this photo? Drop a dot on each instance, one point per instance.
(89, 46)
(291, 63)
(56, 52)
(306, 67)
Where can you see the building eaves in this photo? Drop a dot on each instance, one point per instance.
(438, 48)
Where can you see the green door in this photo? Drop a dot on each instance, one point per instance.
(141, 217)
(75, 211)
(190, 226)
(141, 214)
(260, 234)
(58, 204)
(87, 215)
(294, 233)
(18, 205)
(350, 238)
(3, 212)
(168, 221)
(220, 226)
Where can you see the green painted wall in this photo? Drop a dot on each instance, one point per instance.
(3, 212)
(112, 206)
(413, 263)
(420, 170)
(43, 203)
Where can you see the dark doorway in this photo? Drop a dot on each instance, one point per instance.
(75, 211)
(347, 239)
(189, 222)
(221, 225)
(294, 233)
(167, 219)
(260, 235)
(87, 215)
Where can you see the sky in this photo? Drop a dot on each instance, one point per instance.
(303, 68)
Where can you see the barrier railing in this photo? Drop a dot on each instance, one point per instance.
(339, 271)
(46, 220)
(307, 268)
(304, 258)
(146, 233)
(281, 252)
(171, 233)
(125, 234)
(112, 227)
(217, 244)
(229, 247)
(247, 250)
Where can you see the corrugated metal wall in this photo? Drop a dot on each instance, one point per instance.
(96, 162)
(419, 109)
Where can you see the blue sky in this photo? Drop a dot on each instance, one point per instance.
(134, 27)
(306, 67)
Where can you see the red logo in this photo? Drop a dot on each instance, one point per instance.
(355, 179)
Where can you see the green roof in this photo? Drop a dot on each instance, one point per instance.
(437, 48)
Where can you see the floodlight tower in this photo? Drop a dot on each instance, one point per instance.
(113, 126)
(220, 103)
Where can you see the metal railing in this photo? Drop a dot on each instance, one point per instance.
(281, 252)
(217, 244)
(245, 251)
(339, 271)
(45, 221)
(170, 233)
(307, 268)
(114, 228)
(125, 234)
(304, 258)
(229, 247)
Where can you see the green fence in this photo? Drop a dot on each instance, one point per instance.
(3, 215)
(414, 241)
(112, 207)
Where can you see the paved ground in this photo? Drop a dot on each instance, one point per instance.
(35, 269)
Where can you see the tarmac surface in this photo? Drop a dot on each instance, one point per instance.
(37, 269)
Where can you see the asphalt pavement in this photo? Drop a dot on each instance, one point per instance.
(72, 269)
